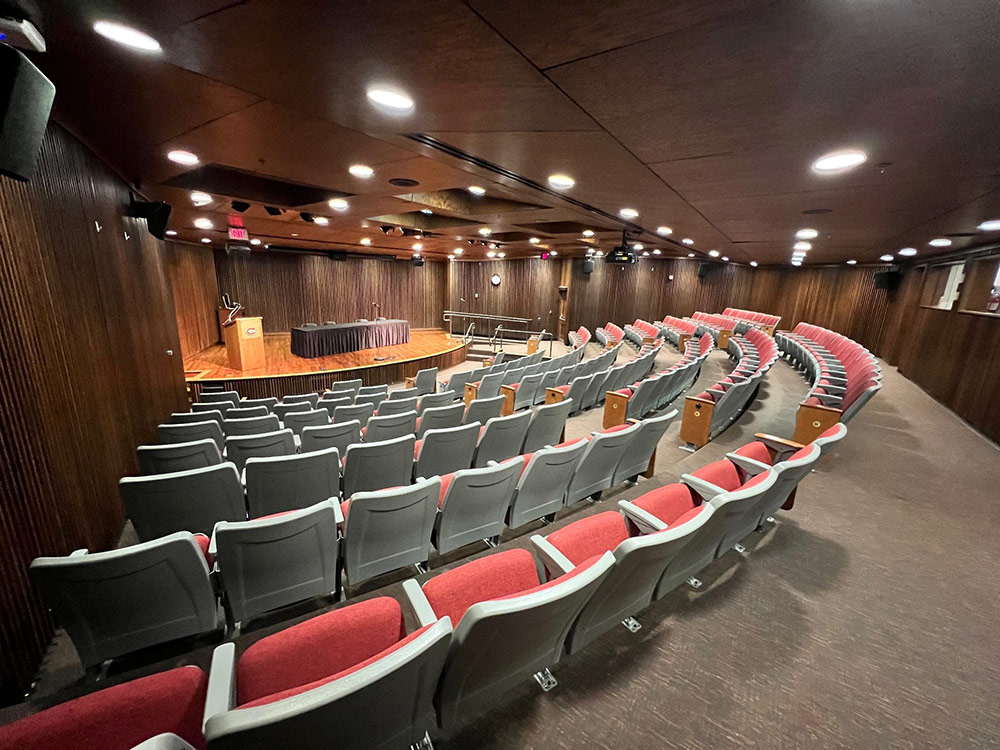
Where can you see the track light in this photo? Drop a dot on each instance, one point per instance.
(240, 206)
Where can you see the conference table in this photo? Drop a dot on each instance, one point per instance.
(322, 341)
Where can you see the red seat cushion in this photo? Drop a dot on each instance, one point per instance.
(119, 717)
(318, 648)
(445, 484)
(755, 450)
(514, 386)
(204, 542)
(492, 577)
(625, 392)
(591, 536)
(616, 428)
(563, 389)
(668, 503)
(722, 474)
(416, 449)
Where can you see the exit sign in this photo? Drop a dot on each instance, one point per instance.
(239, 233)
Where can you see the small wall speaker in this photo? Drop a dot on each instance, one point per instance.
(25, 101)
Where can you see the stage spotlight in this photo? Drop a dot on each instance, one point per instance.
(272, 211)
(240, 206)
(306, 216)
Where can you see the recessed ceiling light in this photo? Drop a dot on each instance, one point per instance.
(171, 232)
(501, 255)
(714, 253)
(451, 257)
(458, 251)
(182, 157)
(687, 241)
(796, 262)
(656, 251)
(599, 253)
(321, 220)
(664, 231)
(126, 35)
(753, 264)
(588, 232)
(590, 251)
(485, 231)
(690, 255)
(628, 213)
(798, 254)
(418, 246)
(725, 258)
(908, 251)
(851, 262)
(491, 254)
(940, 242)
(534, 240)
(476, 190)
(638, 246)
(392, 98)
(361, 170)
(802, 246)
(366, 241)
(295, 234)
(887, 257)
(645, 254)
(561, 181)
(426, 211)
(203, 223)
(839, 160)
(553, 252)
(200, 199)
(338, 204)
(993, 225)
(807, 234)
(206, 240)
(255, 241)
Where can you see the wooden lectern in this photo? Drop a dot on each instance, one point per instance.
(245, 343)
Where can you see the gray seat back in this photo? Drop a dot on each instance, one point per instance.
(347, 385)
(359, 412)
(446, 450)
(458, 380)
(489, 386)
(392, 426)
(502, 438)
(193, 500)
(440, 417)
(311, 398)
(474, 506)
(598, 463)
(542, 486)
(215, 406)
(162, 459)
(790, 473)
(595, 390)
(113, 603)
(527, 390)
(274, 562)
(426, 381)
(338, 435)
(636, 459)
(246, 412)
(435, 400)
(229, 397)
(547, 425)
(297, 421)
(576, 390)
(283, 410)
(389, 529)
(186, 433)
(330, 402)
(373, 466)
(369, 399)
(483, 409)
(251, 426)
(267, 403)
(390, 407)
(404, 393)
(373, 390)
(187, 417)
(276, 484)
(241, 447)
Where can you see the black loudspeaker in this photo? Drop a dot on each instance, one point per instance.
(588, 265)
(704, 269)
(888, 280)
(25, 101)
(416, 262)
(156, 215)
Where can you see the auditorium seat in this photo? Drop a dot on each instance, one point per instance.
(381, 428)
(541, 488)
(443, 451)
(338, 435)
(241, 447)
(215, 406)
(790, 471)
(251, 425)
(280, 483)
(487, 387)
(456, 382)
(372, 399)
(283, 410)
(483, 409)
(187, 417)
(186, 433)
(162, 459)
(267, 403)
(502, 438)
(297, 421)
(434, 400)
(373, 466)
(330, 402)
(351, 677)
(372, 390)
(114, 603)
(402, 393)
(509, 626)
(346, 385)
(641, 454)
(193, 500)
(596, 469)
(425, 381)
(525, 391)
(311, 398)
(398, 406)
(440, 417)
(120, 717)
(246, 412)
(389, 529)
(359, 412)
(640, 561)
(547, 425)
(230, 397)
(271, 562)
(473, 504)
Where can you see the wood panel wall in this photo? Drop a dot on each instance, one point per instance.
(191, 271)
(87, 323)
(289, 290)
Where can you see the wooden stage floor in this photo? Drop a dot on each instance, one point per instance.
(211, 363)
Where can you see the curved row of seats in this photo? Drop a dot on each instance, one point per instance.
(535, 382)
(747, 318)
(490, 381)
(844, 376)
(653, 392)
(579, 338)
(714, 409)
(588, 387)
(609, 334)
(640, 332)
(677, 330)
(484, 627)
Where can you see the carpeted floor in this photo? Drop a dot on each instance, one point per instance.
(864, 618)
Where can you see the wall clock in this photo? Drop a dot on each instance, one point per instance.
(495, 279)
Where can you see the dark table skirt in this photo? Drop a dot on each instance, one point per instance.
(321, 341)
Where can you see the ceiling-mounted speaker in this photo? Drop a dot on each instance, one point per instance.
(588, 265)
(705, 269)
(156, 214)
(25, 102)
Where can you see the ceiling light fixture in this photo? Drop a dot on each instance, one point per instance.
(200, 199)
(599, 253)
(171, 233)
(628, 213)
(690, 255)
(361, 170)
(714, 253)
(656, 251)
(753, 264)
(992, 225)
(476, 190)
(908, 251)
(561, 181)
(802, 246)
(491, 254)
(588, 232)
(725, 258)
(393, 99)
(687, 241)
(940, 242)
(638, 246)
(366, 241)
(182, 157)
(851, 262)
(426, 211)
(664, 231)
(485, 231)
(126, 35)
(534, 240)
(553, 252)
(887, 257)
(206, 240)
(321, 220)
(337, 204)
(451, 257)
(838, 161)
(501, 255)
(796, 262)
(458, 251)
(203, 223)
(418, 246)
(254, 242)
(806, 234)
(645, 254)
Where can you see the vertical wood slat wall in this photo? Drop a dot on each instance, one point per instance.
(191, 271)
(86, 320)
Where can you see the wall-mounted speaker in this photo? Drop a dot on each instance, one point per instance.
(704, 270)
(888, 280)
(25, 101)
(415, 261)
(155, 213)
(588, 265)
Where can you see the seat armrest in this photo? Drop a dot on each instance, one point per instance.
(706, 489)
(166, 741)
(749, 465)
(221, 695)
(555, 562)
(646, 522)
(338, 514)
(828, 399)
(779, 447)
(418, 602)
(833, 390)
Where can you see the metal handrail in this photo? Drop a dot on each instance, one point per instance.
(470, 331)
(449, 314)
(542, 334)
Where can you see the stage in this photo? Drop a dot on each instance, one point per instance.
(285, 373)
